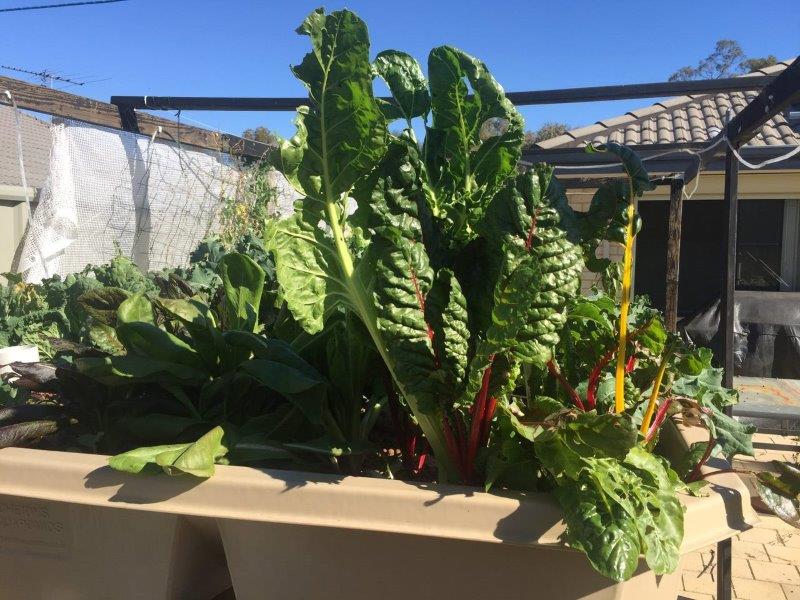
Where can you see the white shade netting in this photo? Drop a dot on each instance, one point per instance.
(111, 192)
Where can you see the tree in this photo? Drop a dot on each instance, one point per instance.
(261, 134)
(754, 64)
(727, 60)
(548, 130)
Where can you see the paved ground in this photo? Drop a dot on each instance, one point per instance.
(766, 559)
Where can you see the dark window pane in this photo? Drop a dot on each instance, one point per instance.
(702, 253)
(758, 260)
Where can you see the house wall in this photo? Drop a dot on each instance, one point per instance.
(36, 140)
(13, 222)
(755, 185)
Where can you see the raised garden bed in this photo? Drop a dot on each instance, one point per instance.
(73, 526)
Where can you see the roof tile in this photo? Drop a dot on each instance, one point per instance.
(690, 118)
(614, 121)
(646, 111)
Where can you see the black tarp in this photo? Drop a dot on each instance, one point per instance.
(767, 333)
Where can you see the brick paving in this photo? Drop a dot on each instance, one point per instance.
(766, 559)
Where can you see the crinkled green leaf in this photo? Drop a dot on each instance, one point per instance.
(705, 387)
(616, 510)
(733, 437)
(307, 268)
(603, 532)
(564, 450)
(342, 133)
(446, 312)
(403, 75)
(541, 269)
(474, 143)
(397, 269)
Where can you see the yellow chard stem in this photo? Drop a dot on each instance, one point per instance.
(619, 389)
(651, 406)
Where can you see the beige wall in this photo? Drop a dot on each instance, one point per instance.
(755, 185)
(13, 220)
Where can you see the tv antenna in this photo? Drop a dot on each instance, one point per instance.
(46, 78)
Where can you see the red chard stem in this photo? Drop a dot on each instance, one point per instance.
(576, 399)
(661, 416)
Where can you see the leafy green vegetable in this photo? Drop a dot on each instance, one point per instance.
(619, 500)
(195, 458)
(404, 77)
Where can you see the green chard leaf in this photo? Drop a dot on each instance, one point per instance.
(396, 265)
(342, 134)
(733, 437)
(541, 269)
(403, 75)
(306, 265)
(446, 312)
(342, 139)
(474, 143)
(637, 174)
(619, 500)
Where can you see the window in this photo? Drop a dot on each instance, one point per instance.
(766, 254)
(759, 245)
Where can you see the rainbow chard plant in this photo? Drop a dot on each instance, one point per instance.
(595, 413)
(455, 264)
(463, 268)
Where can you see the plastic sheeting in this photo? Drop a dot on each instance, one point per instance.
(110, 191)
(766, 333)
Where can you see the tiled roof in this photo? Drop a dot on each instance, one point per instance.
(36, 140)
(696, 118)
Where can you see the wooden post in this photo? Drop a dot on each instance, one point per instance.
(673, 252)
(724, 581)
(729, 285)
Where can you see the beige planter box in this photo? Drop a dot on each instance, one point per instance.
(294, 535)
(317, 537)
(68, 531)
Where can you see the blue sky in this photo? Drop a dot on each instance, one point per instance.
(245, 47)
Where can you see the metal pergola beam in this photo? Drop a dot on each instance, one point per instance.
(529, 98)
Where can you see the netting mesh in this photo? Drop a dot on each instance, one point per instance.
(110, 192)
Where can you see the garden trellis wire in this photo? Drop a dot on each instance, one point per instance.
(777, 93)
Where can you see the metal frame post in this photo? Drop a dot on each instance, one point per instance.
(727, 307)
